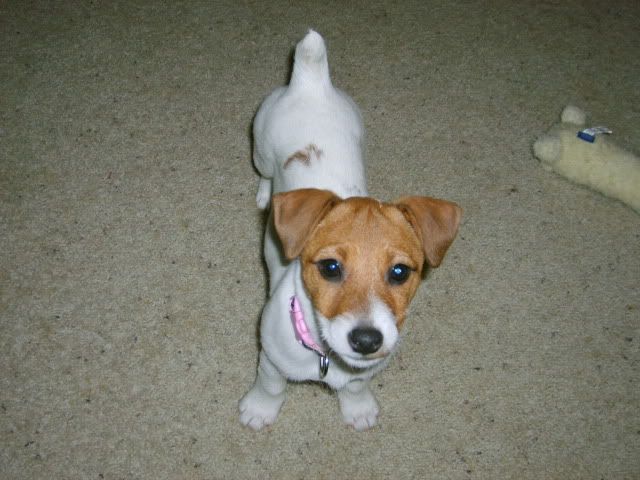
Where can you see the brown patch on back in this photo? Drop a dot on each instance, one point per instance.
(304, 156)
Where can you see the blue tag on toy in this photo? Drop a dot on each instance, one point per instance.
(589, 134)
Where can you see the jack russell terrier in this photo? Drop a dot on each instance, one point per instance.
(343, 267)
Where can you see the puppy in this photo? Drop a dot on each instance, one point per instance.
(343, 267)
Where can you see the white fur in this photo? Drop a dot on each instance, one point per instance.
(335, 333)
(602, 165)
(310, 111)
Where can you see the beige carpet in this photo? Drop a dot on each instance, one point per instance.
(131, 278)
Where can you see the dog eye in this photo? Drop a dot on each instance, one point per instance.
(398, 274)
(330, 269)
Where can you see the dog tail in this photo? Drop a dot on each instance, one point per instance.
(310, 66)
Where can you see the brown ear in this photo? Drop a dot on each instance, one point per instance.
(436, 223)
(295, 215)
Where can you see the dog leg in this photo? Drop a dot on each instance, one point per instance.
(263, 197)
(358, 405)
(261, 405)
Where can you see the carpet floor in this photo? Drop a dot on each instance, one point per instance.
(131, 276)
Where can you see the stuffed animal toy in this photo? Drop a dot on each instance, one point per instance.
(588, 157)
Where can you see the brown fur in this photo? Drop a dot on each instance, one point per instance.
(304, 156)
(368, 238)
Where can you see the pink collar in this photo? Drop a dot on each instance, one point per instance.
(303, 335)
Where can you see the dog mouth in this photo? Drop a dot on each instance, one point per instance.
(357, 345)
(362, 362)
(343, 351)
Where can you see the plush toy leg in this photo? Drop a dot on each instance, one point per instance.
(547, 149)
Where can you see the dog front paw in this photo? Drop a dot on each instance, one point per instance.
(359, 409)
(259, 409)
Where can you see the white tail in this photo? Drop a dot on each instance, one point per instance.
(310, 66)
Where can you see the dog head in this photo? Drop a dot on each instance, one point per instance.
(362, 262)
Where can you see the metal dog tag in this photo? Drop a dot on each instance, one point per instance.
(324, 366)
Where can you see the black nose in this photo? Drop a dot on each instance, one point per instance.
(365, 340)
